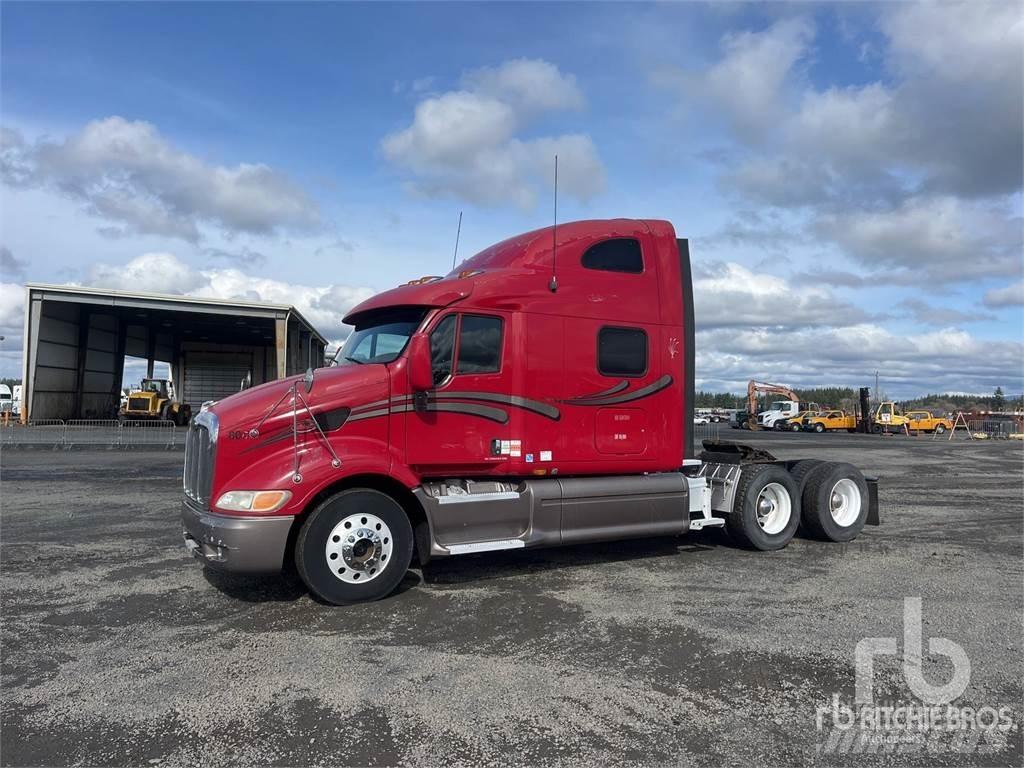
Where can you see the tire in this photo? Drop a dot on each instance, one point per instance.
(852, 431)
(795, 426)
(363, 573)
(835, 502)
(773, 529)
(940, 429)
(877, 429)
(819, 427)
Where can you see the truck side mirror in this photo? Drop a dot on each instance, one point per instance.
(421, 374)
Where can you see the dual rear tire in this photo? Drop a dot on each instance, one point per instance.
(828, 499)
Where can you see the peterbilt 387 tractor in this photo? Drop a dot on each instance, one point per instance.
(539, 395)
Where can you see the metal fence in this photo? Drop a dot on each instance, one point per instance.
(992, 428)
(108, 433)
(706, 432)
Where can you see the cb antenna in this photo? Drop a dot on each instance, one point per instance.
(553, 285)
(457, 233)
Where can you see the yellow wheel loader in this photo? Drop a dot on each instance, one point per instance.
(154, 399)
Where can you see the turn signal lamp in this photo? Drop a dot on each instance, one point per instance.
(260, 502)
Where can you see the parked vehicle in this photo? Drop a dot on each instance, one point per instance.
(698, 419)
(6, 400)
(926, 421)
(511, 404)
(739, 421)
(830, 421)
(155, 399)
(887, 416)
(795, 423)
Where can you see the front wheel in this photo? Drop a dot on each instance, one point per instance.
(766, 510)
(356, 546)
(939, 429)
(819, 428)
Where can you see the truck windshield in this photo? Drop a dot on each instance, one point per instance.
(779, 405)
(380, 337)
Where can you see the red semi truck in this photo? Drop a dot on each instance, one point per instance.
(539, 395)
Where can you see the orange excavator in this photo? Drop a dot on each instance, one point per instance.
(755, 388)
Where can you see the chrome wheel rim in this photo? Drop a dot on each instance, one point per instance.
(844, 502)
(774, 508)
(358, 548)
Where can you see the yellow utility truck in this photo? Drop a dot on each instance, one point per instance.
(926, 421)
(830, 420)
(794, 423)
(154, 399)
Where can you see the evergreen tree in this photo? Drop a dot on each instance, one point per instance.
(998, 401)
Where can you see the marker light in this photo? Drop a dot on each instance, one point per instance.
(262, 502)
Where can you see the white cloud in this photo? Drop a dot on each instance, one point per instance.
(943, 360)
(324, 306)
(747, 81)
(730, 296)
(126, 173)
(920, 169)
(961, 41)
(942, 238)
(527, 84)
(466, 143)
(1010, 296)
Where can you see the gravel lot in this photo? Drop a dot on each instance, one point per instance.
(118, 649)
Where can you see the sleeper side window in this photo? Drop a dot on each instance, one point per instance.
(442, 347)
(479, 344)
(621, 254)
(622, 351)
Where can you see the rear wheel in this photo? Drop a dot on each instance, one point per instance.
(354, 547)
(766, 510)
(835, 502)
(794, 427)
(819, 427)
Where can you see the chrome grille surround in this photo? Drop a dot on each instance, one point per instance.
(200, 455)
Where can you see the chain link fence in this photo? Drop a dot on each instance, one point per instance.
(93, 433)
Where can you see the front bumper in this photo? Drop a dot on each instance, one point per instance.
(238, 544)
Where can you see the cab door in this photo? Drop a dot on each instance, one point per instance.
(463, 425)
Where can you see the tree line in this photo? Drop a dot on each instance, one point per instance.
(847, 397)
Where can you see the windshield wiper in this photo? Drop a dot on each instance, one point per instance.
(356, 360)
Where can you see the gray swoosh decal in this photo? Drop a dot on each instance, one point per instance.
(495, 397)
(626, 397)
(368, 414)
(603, 393)
(468, 409)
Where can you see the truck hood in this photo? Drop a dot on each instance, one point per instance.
(344, 386)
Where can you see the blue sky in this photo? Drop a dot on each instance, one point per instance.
(849, 174)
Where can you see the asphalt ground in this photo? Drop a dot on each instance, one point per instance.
(118, 649)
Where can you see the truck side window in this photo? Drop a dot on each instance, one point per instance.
(479, 345)
(622, 352)
(442, 344)
(618, 255)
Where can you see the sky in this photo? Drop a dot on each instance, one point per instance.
(849, 175)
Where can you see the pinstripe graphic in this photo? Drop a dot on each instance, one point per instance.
(603, 393)
(626, 397)
(467, 409)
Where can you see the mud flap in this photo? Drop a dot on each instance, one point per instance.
(873, 516)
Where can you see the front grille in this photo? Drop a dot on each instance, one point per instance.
(200, 445)
(138, 403)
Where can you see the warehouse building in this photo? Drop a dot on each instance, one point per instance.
(76, 341)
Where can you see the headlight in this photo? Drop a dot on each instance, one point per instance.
(262, 502)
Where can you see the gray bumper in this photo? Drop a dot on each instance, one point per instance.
(239, 544)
